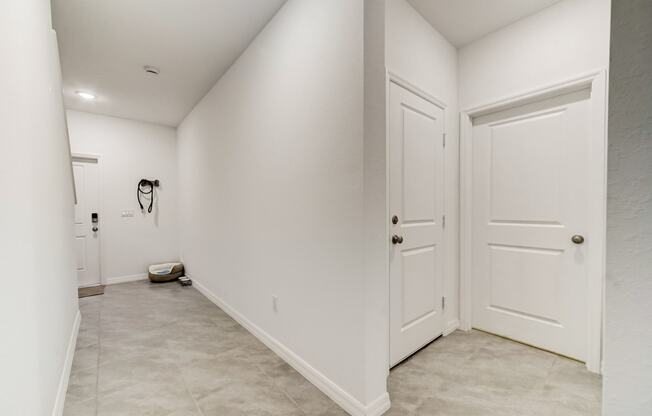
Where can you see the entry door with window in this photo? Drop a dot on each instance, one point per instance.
(530, 219)
(87, 243)
(416, 187)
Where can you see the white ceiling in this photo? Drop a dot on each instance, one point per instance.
(104, 45)
(463, 21)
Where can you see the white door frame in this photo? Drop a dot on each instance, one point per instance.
(93, 158)
(596, 82)
(393, 77)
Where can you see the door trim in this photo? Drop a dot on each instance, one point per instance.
(596, 81)
(93, 158)
(394, 78)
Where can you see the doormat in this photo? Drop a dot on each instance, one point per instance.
(90, 291)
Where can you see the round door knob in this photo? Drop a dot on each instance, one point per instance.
(577, 239)
(95, 229)
(397, 239)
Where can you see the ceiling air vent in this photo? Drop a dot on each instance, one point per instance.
(152, 69)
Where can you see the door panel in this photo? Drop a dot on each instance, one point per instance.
(87, 245)
(526, 156)
(80, 250)
(418, 286)
(520, 284)
(530, 167)
(418, 168)
(417, 199)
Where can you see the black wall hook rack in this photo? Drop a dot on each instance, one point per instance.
(154, 182)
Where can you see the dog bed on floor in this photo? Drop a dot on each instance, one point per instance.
(167, 272)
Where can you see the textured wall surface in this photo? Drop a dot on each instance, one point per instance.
(628, 337)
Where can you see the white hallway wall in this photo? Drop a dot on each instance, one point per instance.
(130, 150)
(422, 56)
(271, 190)
(376, 242)
(38, 302)
(567, 39)
(628, 333)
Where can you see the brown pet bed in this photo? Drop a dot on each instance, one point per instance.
(177, 272)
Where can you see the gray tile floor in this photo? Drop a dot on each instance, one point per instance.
(166, 350)
(473, 374)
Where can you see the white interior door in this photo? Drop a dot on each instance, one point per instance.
(87, 243)
(416, 187)
(530, 181)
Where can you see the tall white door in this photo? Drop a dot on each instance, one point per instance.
(530, 212)
(87, 243)
(416, 187)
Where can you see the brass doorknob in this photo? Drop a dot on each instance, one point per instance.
(577, 239)
(397, 239)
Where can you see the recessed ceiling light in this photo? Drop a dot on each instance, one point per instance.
(86, 95)
(152, 69)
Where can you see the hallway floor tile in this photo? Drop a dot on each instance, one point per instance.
(477, 374)
(165, 350)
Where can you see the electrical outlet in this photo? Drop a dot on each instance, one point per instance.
(275, 303)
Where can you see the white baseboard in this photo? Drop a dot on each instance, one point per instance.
(323, 383)
(125, 279)
(465, 325)
(67, 367)
(451, 327)
(378, 406)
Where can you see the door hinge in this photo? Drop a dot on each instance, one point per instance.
(443, 302)
(443, 221)
(444, 140)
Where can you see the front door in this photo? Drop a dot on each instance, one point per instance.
(416, 187)
(87, 243)
(530, 219)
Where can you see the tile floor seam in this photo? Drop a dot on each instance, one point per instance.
(549, 371)
(187, 388)
(185, 382)
(282, 390)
